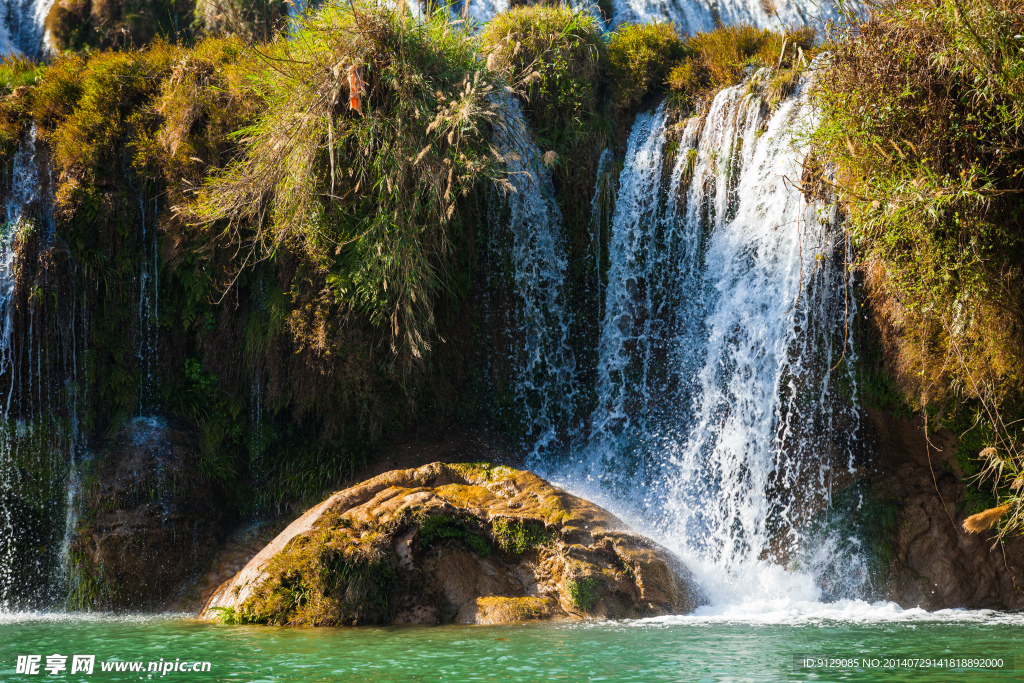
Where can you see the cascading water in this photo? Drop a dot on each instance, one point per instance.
(21, 26)
(525, 242)
(149, 312)
(23, 187)
(691, 16)
(724, 387)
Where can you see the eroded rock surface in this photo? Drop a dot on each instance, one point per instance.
(470, 544)
(149, 521)
(935, 564)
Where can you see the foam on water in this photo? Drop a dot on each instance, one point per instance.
(48, 617)
(791, 612)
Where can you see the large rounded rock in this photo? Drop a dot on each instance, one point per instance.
(473, 544)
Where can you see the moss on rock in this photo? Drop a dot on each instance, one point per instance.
(412, 546)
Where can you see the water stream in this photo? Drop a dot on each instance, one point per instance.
(21, 26)
(525, 246)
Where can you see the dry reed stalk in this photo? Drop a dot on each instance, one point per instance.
(983, 520)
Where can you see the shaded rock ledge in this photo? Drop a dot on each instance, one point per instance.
(470, 544)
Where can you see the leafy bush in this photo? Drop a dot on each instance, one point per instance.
(923, 106)
(368, 200)
(717, 59)
(639, 59)
(550, 55)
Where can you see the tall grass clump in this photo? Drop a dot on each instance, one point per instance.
(373, 133)
(922, 113)
(549, 54)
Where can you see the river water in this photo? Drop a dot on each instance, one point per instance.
(716, 644)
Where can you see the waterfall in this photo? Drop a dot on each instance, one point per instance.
(21, 194)
(43, 334)
(525, 247)
(725, 410)
(691, 16)
(149, 313)
(21, 26)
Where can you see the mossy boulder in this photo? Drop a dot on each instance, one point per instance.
(469, 543)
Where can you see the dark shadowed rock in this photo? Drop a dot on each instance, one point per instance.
(472, 543)
(936, 564)
(149, 522)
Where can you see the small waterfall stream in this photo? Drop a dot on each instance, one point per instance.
(43, 338)
(21, 26)
(525, 242)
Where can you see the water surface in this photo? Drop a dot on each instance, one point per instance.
(714, 645)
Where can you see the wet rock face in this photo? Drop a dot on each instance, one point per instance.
(470, 544)
(935, 563)
(148, 522)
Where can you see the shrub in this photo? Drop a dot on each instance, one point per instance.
(91, 109)
(922, 108)
(550, 55)
(368, 200)
(720, 58)
(639, 59)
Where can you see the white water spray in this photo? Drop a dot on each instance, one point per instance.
(724, 414)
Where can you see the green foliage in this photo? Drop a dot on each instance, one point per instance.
(17, 71)
(582, 593)
(16, 74)
(923, 106)
(437, 528)
(369, 201)
(640, 56)
(549, 54)
(90, 109)
(516, 536)
(720, 58)
(217, 417)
